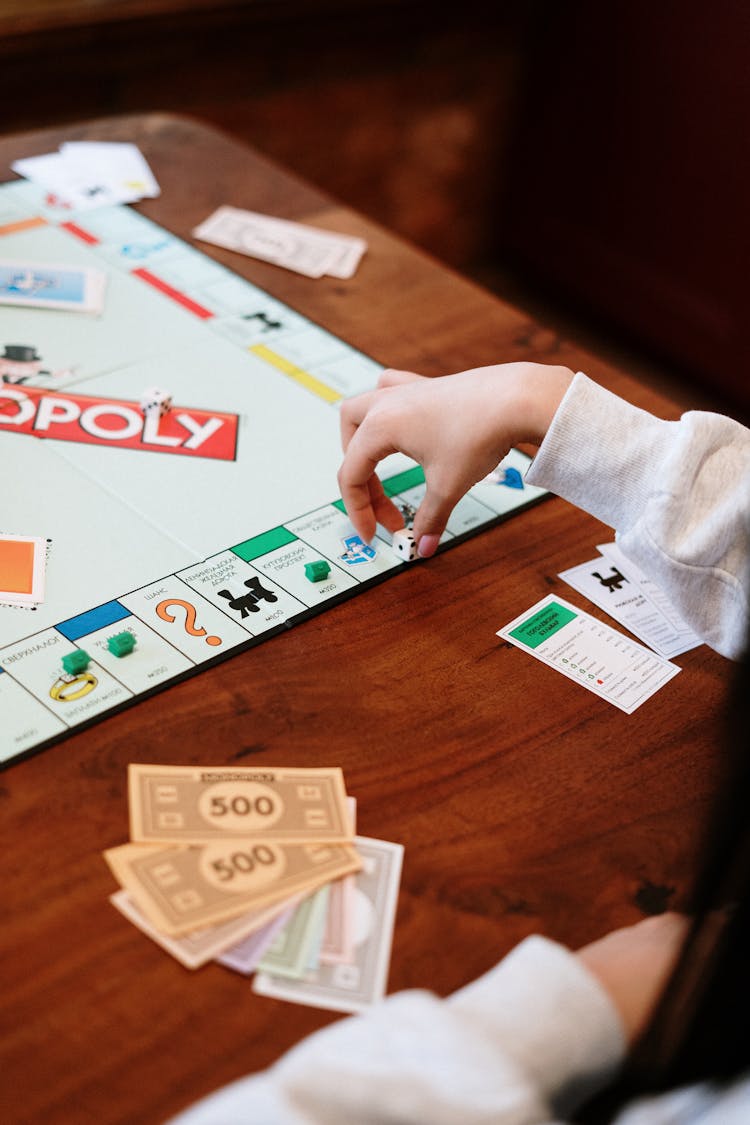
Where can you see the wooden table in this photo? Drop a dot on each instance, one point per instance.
(525, 804)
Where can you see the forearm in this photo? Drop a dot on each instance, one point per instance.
(523, 1043)
(678, 494)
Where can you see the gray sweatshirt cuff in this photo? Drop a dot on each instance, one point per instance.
(601, 453)
(552, 1016)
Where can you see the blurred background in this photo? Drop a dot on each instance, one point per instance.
(587, 160)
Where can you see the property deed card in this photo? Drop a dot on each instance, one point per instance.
(621, 671)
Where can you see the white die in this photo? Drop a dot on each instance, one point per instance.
(154, 398)
(405, 545)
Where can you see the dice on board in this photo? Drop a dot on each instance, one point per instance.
(157, 400)
(405, 545)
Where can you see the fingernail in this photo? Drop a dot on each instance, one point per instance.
(427, 546)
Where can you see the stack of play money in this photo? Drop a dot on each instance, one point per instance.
(260, 869)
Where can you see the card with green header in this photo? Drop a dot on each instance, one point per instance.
(542, 625)
(586, 650)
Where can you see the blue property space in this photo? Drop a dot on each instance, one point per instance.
(92, 620)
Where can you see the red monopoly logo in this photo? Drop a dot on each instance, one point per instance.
(104, 421)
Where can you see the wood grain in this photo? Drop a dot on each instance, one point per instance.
(524, 804)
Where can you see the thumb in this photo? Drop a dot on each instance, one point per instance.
(429, 523)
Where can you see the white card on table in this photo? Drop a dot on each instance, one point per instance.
(650, 588)
(307, 250)
(42, 286)
(120, 165)
(585, 650)
(88, 174)
(67, 187)
(616, 585)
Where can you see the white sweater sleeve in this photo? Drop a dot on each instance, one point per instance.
(678, 494)
(527, 1041)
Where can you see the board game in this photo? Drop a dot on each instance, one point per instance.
(196, 533)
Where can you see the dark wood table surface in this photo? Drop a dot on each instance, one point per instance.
(525, 804)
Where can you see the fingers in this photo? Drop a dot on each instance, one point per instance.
(385, 511)
(378, 509)
(352, 414)
(367, 436)
(360, 508)
(429, 523)
(353, 411)
(361, 491)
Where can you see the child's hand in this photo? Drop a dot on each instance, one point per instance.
(457, 427)
(633, 965)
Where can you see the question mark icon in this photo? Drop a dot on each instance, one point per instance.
(190, 614)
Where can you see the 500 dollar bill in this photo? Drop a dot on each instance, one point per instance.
(196, 805)
(183, 889)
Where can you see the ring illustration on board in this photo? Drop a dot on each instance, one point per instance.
(67, 688)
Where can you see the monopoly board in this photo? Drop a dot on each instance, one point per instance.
(191, 531)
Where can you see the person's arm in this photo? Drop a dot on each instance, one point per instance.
(678, 494)
(527, 1041)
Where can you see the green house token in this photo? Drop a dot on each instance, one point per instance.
(317, 571)
(121, 643)
(75, 662)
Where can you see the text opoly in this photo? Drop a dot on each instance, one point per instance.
(103, 421)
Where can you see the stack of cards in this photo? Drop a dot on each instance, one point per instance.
(261, 870)
(87, 174)
(617, 585)
(306, 250)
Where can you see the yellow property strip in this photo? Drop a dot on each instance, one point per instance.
(304, 378)
(23, 224)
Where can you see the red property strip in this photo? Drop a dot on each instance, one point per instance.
(79, 232)
(169, 291)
